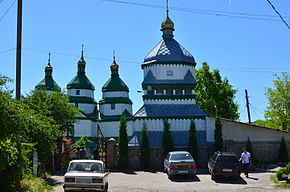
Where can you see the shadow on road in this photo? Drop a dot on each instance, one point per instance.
(185, 178)
(253, 178)
(240, 180)
(53, 182)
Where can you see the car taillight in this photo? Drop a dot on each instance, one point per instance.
(191, 166)
(69, 179)
(172, 166)
(97, 180)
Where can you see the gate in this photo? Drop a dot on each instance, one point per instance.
(102, 145)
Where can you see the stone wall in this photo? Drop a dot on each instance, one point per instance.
(264, 152)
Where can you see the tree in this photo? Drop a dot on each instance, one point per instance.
(283, 151)
(218, 137)
(123, 143)
(167, 138)
(278, 111)
(214, 94)
(144, 150)
(192, 141)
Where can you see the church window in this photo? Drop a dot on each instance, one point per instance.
(188, 91)
(169, 73)
(178, 92)
(159, 92)
(78, 92)
(113, 106)
(169, 92)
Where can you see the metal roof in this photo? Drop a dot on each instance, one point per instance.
(170, 110)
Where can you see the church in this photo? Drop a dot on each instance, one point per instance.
(168, 86)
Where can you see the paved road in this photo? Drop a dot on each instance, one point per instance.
(158, 182)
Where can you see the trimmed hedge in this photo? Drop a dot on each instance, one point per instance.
(283, 170)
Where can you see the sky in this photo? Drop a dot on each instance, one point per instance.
(245, 40)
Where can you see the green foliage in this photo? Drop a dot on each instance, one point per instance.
(123, 143)
(283, 170)
(218, 137)
(250, 149)
(192, 141)
(278, 110)
(8, 153)
(144, 150)
(55, 105)
(81, 142)
(33, 184)
(283, 151)
(167, 138)
(214, 94)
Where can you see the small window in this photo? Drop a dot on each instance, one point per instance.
(113, 106)
(78, 92)
(77, 105)
(169, 73)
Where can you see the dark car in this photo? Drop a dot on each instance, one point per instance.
(179, 163)
(224, 164)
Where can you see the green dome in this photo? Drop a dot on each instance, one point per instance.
(48, 84)
(115, 83)
(80, 81)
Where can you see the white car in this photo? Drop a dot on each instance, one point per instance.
(86, 175)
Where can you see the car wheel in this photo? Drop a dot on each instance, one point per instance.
(106, 188)
(212, 176)
(170, 176)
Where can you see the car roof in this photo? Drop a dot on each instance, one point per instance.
(226, 153)
(178, 152)
(86, 161)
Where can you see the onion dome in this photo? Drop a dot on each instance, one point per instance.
(168, 49)
(115, 83)
(80, 81)
(48, 83)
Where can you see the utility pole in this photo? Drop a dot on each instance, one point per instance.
(248, 108)
(18, 50)
(18, 81)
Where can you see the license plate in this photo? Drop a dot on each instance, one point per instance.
(83, 180)
(227, 170)
(182, 171)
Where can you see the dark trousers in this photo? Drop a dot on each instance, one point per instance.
(246, 168)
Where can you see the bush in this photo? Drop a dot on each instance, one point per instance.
(167, 138)
(123, 143)
(144, 150)
(218, 136)
(35, 184)
(192, 143)
(283, 151)
(283, 170)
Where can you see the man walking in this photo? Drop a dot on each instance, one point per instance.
(246, 161)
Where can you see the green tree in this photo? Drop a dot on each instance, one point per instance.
(278, 111)
(144, 150)
(283, 151)
(82, 142)
(214, 94)
(218, 137)
(167, 138)
(192, 141)
(123, 143)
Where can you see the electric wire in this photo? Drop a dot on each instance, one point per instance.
(207, 12)
(7, 50)
(278, 14)
(7, 10)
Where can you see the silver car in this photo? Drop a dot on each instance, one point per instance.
(179, 163)
(86, 175)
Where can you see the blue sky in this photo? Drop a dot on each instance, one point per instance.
(248, 51)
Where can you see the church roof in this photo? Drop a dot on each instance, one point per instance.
(48, 83)
(115, 83)
(80, 81)
(168, 49)
(170, 111)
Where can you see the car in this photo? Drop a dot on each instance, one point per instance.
(224, 164)
(179, 163)
(86, 175)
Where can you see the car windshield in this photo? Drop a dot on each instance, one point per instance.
(86, 167)
(181, 156)
(227, 159)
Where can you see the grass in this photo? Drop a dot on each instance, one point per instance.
(35, 184)
(280, 184)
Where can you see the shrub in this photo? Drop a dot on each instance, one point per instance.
(144, 150)
(283, 170)
(218, 137)
(123, 143)
(167, 138)
(283, 151)
(192, 143)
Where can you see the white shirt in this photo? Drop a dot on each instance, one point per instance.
(245, 157)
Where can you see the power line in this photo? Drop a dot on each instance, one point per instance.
(204, 11)
(7, 10)
(7, 50)
(278, 14)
